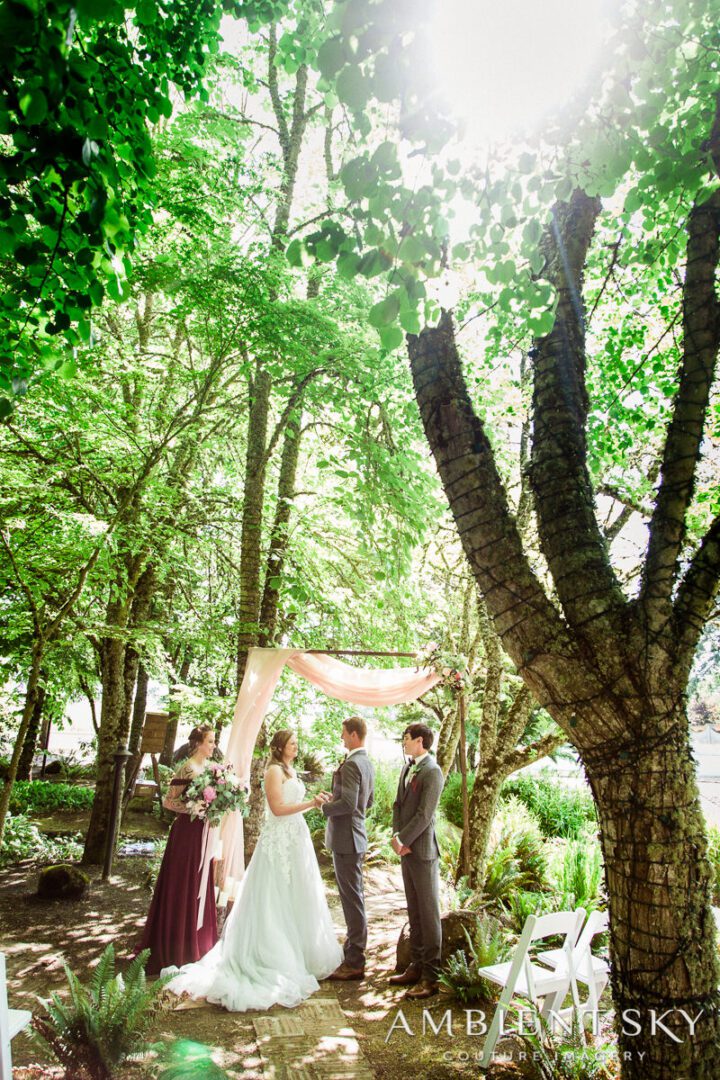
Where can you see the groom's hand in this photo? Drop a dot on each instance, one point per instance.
(399, 848)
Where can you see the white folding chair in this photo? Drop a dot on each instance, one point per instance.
(522, 975)
(12, 1021)
(592, 971)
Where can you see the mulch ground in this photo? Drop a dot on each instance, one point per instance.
(37, 936)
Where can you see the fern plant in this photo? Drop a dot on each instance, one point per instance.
(460, 973)
(580, 880)
(566, 1057)
(102, 1024)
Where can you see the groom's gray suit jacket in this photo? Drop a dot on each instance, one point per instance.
(353, 787)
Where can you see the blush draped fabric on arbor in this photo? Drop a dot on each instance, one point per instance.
(360, 686)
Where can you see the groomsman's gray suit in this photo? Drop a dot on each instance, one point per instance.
(414, 825)
(353, 787)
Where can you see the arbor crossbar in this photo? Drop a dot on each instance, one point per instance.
(359, 652)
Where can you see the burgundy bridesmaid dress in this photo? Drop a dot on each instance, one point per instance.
(171, 931)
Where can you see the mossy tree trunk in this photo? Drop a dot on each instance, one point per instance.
(30, 745)
(611, 670)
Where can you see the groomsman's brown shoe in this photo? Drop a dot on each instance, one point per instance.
(425, 988)
(345, 973)
(408, 977)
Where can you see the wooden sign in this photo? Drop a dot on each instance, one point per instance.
(154, 729)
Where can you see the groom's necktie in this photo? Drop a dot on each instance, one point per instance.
(410, 773)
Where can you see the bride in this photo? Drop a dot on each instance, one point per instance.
(279, 938)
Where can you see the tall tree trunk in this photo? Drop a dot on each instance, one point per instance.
(31, 690)
(279, 535)
(139, 708)
(175, 710)
(118, 666)
(30, 745)
(112, 711)
(251, 530)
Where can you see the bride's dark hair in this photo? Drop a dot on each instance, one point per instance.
(277, 747)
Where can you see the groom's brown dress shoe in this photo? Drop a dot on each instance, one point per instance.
(345, 973)
(424, 989)
(408, 977)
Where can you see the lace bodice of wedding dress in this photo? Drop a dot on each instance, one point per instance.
(279, 938)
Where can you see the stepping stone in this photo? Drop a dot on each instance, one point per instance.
(314, 1042)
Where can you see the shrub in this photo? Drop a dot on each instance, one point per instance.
(579, 882)
(565, 1056)
(379, 848)
(23, 840)
(461, 975)
(103, 1023)
(315, 820)
(32, 796)
(560, 811)
(520, 904)
(451, 798)
(386, 782)
(519, 832)
(502, 876)
(154, 864)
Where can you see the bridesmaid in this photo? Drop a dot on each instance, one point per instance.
(171, 931)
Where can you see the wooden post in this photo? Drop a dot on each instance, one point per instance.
(463, 776)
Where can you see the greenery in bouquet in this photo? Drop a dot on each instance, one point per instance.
(215, 792)
(451, 668)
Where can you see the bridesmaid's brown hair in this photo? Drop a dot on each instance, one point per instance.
(197, 736)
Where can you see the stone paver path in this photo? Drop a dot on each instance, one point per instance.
(313, 1042)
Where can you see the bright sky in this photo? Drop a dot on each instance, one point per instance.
(503, 64)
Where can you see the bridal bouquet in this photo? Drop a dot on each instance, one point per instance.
(214, 792)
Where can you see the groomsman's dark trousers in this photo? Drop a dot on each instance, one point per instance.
(348, 874)
(421, 878)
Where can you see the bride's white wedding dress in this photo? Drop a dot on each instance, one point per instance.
(279, 938)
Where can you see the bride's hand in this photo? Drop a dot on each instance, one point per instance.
(320, 798)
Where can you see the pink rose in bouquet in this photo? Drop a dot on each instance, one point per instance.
(215, 792)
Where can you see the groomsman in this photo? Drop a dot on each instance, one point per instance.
(418, 794)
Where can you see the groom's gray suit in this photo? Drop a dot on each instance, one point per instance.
(414, 809)
(353, 787)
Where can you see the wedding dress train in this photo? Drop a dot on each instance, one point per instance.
(279, 938)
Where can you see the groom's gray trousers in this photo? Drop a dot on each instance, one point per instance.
(349, 877)
(352, 789)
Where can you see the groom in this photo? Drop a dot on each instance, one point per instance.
(414, 840)
(352, 794)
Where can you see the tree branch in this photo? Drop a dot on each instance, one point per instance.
(570, 536)
(525, 755)
(701, 329)
(696, 596)
(531, 629)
